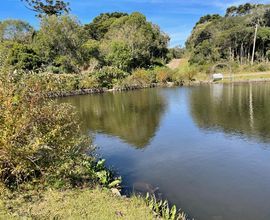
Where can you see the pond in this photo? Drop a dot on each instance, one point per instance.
(206, 148)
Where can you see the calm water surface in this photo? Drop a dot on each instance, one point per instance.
(207, 148)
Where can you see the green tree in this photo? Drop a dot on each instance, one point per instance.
(16, 30)
(23, 57)
(208, 18)
(143, 41)
(60, 43)
(119, 55)
(232, 37)
(176, 53)
(101, 24)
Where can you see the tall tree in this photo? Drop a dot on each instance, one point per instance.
(60, 42)
(47, 7)
(15, 30)
(141, 41)
(242, 35)
(101, 24)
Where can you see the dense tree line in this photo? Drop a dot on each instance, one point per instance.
(63, 44)
(232, 37)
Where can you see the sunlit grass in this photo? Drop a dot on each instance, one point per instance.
(76, 204)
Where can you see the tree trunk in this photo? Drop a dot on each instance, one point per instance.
(241, 53)
(254, 44)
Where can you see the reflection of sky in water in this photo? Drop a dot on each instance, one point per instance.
(204, 155)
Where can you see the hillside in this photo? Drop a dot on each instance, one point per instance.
(231, 37)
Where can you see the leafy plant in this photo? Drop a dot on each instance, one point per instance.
(23, 57)
(162, 209)
(108, 76)
(106, 177)
(40, 140)
(163, 75)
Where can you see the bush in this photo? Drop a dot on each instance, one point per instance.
(163, 75)
(40, 140)
(142, 77)
(109, 76)
(263, 67)
(53, 82)
(87, 81)
(185, 72)
(23, 57)
(66, 64)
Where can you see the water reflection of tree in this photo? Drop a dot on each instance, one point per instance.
(132, 116)
(232, 108)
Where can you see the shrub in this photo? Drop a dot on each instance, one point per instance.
(40, 140)
(163, 75)
(142, 77)
(263, 67)
(66, 64)
(23, 57)
(109, 76)
(87, 81)
(185, 72)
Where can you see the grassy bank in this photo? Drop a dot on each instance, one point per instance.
(188, 73)
(74, 204)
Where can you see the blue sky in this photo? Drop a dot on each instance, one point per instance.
(175, 17)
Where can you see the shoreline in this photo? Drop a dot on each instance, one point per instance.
(62, 94)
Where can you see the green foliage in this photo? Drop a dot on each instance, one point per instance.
(208, 18)
(105, 176)
(40, 140)
(230, 38)
(5, 47)
(141, 77)
(141, 42)
(241, 9)
(205, 52)
(175, 53)
(23, 57)
(87, 81)
(60, 43)
(161, 208)
(119, 55)
(91, 49)
(101, 24)
(108, 76)
(63, 45)
(163, 75)
(16, 30)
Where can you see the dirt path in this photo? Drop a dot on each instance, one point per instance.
(174, 64)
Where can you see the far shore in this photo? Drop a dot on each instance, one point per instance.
(226, 80)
